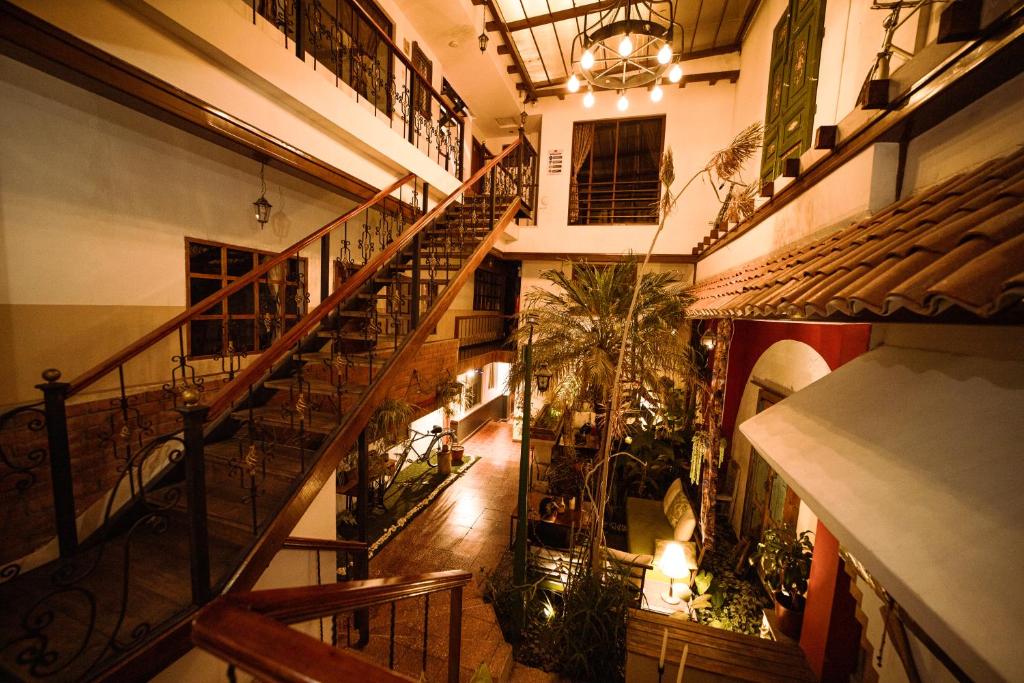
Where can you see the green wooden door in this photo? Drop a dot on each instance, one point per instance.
(792, 84)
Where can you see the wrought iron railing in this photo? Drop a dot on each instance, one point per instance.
(260, 439)
(345, 39)
(251, 631)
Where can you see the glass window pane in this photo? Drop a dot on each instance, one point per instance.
(242, 334)
(199, 288)
(290, 306)
(242, 302)
(205, 337)
(203, 258)
(239, 262)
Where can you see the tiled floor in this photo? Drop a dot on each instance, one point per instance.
(465, 528)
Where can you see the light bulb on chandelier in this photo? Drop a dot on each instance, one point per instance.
(675, 74)
(573, 84)
(657, 93)
(665, 54)
(588, 99)
(625, 46)
(587, 59)
(623, 103)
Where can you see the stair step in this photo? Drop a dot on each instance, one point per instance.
(315, 422)
(353, 314)
(316, 386)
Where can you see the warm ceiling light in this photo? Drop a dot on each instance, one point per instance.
(574, 83)
(588, 99)
(623, 103)
(657, 93)
(675, 74)
(625, 46)
(587, 60)
(665, 54)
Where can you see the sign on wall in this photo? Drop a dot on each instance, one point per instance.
(555, 162)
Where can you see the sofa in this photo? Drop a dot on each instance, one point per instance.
(652, 523)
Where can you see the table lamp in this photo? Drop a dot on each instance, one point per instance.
(675, 566)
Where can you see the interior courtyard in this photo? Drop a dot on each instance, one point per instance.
(511, 340)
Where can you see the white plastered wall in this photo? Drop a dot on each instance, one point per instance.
(787, 364)
(213, 51)
(695, 127)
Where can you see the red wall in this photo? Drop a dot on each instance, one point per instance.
(837, 344)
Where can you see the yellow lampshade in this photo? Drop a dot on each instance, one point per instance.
(673, 562)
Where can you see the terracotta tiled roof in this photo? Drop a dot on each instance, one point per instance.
(958, 245)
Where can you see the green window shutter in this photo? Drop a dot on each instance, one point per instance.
(792, 84)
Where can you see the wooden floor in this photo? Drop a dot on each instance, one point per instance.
(466, 527)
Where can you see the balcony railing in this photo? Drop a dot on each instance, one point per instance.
(345, 39)
(484, 328)
(606, 202)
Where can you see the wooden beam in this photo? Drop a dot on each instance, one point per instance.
(590, 257)
(556, 87)
(527, 85)
(560, 15)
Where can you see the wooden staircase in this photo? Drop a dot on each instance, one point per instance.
(714, 654)
(202, 510)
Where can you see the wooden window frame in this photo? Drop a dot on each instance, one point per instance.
(488, 290)
(224, 279)
(585, 216)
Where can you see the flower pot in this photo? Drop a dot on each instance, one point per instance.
(790, 620)
(444, 461)
(457, 454)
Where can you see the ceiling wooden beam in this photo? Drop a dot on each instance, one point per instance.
(552, 17)
(556, 88)
(526, 84)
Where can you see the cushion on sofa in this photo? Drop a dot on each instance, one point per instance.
(671, 494)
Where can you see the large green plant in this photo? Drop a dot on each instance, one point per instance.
(578, 326)
(389, 423)
(785, 561)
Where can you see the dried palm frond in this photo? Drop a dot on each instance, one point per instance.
(668, 176)
(739, 204)
(728, 162)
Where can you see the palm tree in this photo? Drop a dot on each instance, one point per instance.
(578, 328)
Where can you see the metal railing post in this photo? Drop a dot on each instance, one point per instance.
(194, 415)
(325, 266)
(494, 192)
(417, 269)
(520, 152)
(362, 617)
(54, 397)
(300, 42)
(455, 635)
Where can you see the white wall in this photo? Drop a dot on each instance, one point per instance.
(985, 129)
(787, 364)
(694, 129)
(97, 199)
(212, 50)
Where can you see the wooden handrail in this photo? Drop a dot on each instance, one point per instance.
(255, 370)
(302, 543)
(141, 344)
(250, 630)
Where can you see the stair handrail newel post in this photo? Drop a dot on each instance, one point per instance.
(193, 415)
(55, 394)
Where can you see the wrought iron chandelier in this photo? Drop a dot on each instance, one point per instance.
(630, 45)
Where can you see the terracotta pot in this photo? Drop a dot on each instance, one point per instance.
(457, 453)
(790, 620)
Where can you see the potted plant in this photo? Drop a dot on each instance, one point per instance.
(785, 563)
(544, 423)
(449, 392)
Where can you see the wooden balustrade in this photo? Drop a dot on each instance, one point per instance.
(250, 630)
